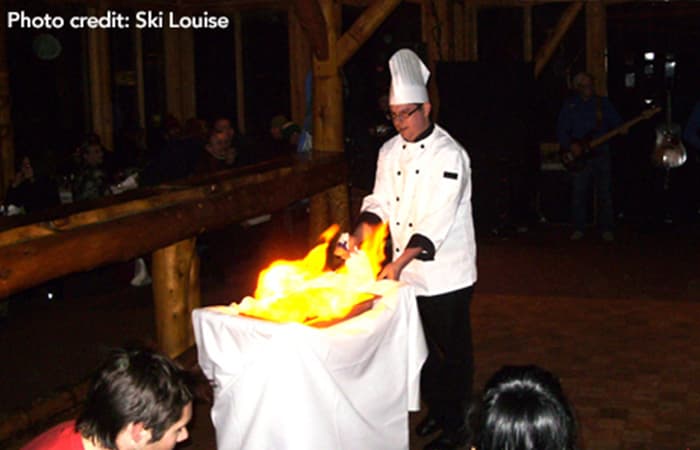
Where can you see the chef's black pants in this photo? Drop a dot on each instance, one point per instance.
(448, 373)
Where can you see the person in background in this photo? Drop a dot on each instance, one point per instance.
(286, 136)
(179, 153)
(91, 180)
(588, 116)
(523, 408)
(283, 129)
(238, 144)
(217, 153)
(137, 400)
(691, 135)
(223, 125)
(31, 191)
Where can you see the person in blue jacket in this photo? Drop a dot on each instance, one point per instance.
(691, 135)
(586, 116)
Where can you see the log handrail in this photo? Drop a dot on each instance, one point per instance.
(122, 204)
(121, 232)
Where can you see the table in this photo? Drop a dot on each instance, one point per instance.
(290, 386)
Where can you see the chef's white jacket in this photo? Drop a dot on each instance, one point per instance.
(423, 190)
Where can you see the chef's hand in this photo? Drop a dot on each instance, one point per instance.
(353, 242)
(343, 250)
(392, 271)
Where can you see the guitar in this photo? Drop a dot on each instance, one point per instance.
(574, 157)
(669, 151)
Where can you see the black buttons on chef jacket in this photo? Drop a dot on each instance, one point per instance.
(417, 171)
(397, 250)
(410, 225)
(398, 173)
(397, 224)
(422, 146)
(397, 199)
(404, 146)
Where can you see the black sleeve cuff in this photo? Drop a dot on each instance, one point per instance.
(428, 248)
(367, 217)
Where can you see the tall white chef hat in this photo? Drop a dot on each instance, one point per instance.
(408, 78)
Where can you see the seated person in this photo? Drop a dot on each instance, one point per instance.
(178, 153)
(238, 144)
(285, 136)
(217, 154)
(91, 180)
(137, 400)
(31, 191)
(524, 408)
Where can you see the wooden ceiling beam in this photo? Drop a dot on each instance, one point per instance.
(366, 3)
(184, 7)
(189, 6)
(126, 4)
(653, 14)
(545, 52)
(517, 3)
(232, 6)
(363, 28)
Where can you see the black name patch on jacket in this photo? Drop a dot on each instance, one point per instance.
(450, 175)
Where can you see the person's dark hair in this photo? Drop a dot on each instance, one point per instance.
(138, 386)
(524, 408)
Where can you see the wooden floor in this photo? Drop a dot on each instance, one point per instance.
(618, 323)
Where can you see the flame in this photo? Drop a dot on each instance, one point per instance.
(304, 291)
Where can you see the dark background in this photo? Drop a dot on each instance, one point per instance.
(493, 107)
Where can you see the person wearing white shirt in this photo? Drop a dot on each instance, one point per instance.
(423, 191)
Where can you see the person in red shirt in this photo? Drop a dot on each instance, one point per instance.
(138, 400)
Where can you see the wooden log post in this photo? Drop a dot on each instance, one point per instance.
(471, 20)
(179, 72)
(547, 50)
(596, 44)
(431, 35)
(460, 29)
(194, 295)
(172, 287)
(527, 33)
(7, 151)
(445, 19)
(140, 85)
(328, 88)
(322, 23)
(100, 81)
(312, 19)
(328, 130)
(299, 67)
(240, 81)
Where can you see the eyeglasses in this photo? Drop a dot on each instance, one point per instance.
(400, 117)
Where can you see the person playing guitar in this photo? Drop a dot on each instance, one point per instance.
(583, 117)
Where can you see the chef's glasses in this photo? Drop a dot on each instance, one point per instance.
(403, 115)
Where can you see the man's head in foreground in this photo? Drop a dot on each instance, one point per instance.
(138, 399)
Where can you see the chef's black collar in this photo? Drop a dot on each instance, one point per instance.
(424, 134)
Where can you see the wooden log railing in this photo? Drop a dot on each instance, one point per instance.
(162, 220)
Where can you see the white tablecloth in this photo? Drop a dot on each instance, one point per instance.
(289, 386)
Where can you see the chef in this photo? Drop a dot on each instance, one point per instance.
(423, 190)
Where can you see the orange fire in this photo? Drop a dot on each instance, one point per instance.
(305, 291)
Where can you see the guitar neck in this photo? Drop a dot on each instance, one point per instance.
(615, 131)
